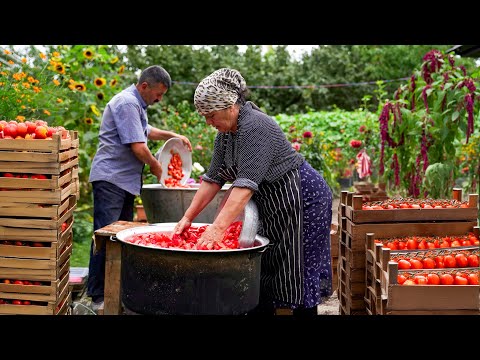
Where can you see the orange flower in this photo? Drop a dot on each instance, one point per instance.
(56, 82)
(46, 112)
(20, 118)
(24, 60)
(11, 62)
(59, 100)
(7, 52)
(42, 56)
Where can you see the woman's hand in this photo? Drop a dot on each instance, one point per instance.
(210, 237)
(182, 225)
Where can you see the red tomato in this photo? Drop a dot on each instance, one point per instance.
(472, 279)
(460, 280)
(472, 260)
(420, 280)
(428, 263)
(461, 260)
(449, 261)
(17, 302)
(446, 279)
(455, 243)
(433, 279)
(404, 264)
(411, 244)
(401, 278)
(416, 264)
(409, 282)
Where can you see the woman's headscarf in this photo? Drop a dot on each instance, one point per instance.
(219, 90)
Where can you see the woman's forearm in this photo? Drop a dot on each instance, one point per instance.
(202, 198)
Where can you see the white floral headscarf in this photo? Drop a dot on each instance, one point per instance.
(219, 90)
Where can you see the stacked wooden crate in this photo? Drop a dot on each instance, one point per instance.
(36, 220)
(382, 293)
(334, 249)
(351, 261)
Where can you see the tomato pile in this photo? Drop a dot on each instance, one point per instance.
(429, 242)
(175, 171)
(436, 259)
(21, 282)
(438, 278)
(410, 203)
(188, 239)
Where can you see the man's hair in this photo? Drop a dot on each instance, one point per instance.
(155, 74)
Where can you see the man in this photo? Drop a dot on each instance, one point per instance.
(116, 172)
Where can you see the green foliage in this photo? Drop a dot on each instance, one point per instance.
(432, 120)
(329, 150)
(437, 180)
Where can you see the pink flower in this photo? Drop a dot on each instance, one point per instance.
(296, 146)
(307, 134)
(362, 128)
(199, 147)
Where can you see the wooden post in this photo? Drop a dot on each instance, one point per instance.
(457, 194)
(113, 266)
(473, 200)
(357, 202)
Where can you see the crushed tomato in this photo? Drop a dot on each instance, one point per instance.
(188, 239)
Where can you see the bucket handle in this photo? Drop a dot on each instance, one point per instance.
(113, 238)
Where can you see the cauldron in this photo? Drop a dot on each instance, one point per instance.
(164, 204)
(159, 281)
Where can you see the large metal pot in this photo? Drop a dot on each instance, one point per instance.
(189, 282)
(164, 204)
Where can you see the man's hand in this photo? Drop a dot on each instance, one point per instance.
(185, 141)
(156, 170)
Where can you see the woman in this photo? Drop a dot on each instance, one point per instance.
(294, 201)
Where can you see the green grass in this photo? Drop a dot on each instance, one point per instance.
(80, 254)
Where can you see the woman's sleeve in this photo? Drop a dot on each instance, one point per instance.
(216, 162)
(255, 155)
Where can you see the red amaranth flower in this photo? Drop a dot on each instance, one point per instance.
(307, 134)
(424, 96)
(469, 107)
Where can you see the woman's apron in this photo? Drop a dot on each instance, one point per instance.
(281, 221)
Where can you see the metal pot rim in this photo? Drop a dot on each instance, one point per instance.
(168, 227)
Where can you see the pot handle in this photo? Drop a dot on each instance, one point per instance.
(113, 238)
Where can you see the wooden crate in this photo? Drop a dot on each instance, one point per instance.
(31, 167)
(50, 250)
(54, 145)
(388, 230)
(32, 234)
(34, 210)
(37, 223)
(19, 183)
(35, 269)
(54, 307)
(49, 292)
(355, 213)
(37, 196)
(37, 157)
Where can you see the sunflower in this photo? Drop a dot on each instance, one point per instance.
(100, 96)
(80, 87)
(89, 121)
(88, 54)
(113, 82)
(121, 69)
(99, 82)
(59, 68)
(114, 60)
